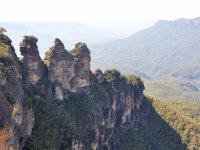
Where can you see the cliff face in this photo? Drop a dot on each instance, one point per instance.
(33, 65)
(16, 121)
(61, 69)
(81, 55)
(116, 100)
(68, 71)
(97, 104)
(120, 107)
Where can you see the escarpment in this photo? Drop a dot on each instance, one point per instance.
(16, 120)
(73, 107)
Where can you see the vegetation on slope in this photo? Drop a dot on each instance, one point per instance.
(157, 134)
(191, 110)
(58, 122)
(5, 56)
(173, 89)
(181, 120)
(133, 79)
(169, 122)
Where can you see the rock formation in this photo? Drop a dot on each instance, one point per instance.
(99, 75)
(61, 68)
(110, 100)
(68, 71)
(16, 121)
(121, 109)
(82, 79)
(33, 65)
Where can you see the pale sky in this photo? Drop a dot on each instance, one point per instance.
(97, 10)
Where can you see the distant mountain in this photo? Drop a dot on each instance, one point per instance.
(167, 49)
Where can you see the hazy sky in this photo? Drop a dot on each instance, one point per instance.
(97, 10)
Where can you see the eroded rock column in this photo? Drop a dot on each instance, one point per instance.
(34, 67)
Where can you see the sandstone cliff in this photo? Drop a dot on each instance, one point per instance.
(16, 121)
(68, 71)
(33, 65)
(82, 110)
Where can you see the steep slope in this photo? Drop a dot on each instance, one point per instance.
(87, 109)
(72, 95)
(16, 118)
(69, 106)
(182, 119)
(167, 49)
(157, 135)
(191, 110)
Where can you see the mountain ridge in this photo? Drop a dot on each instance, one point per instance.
(161, 51)
(182, 22)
